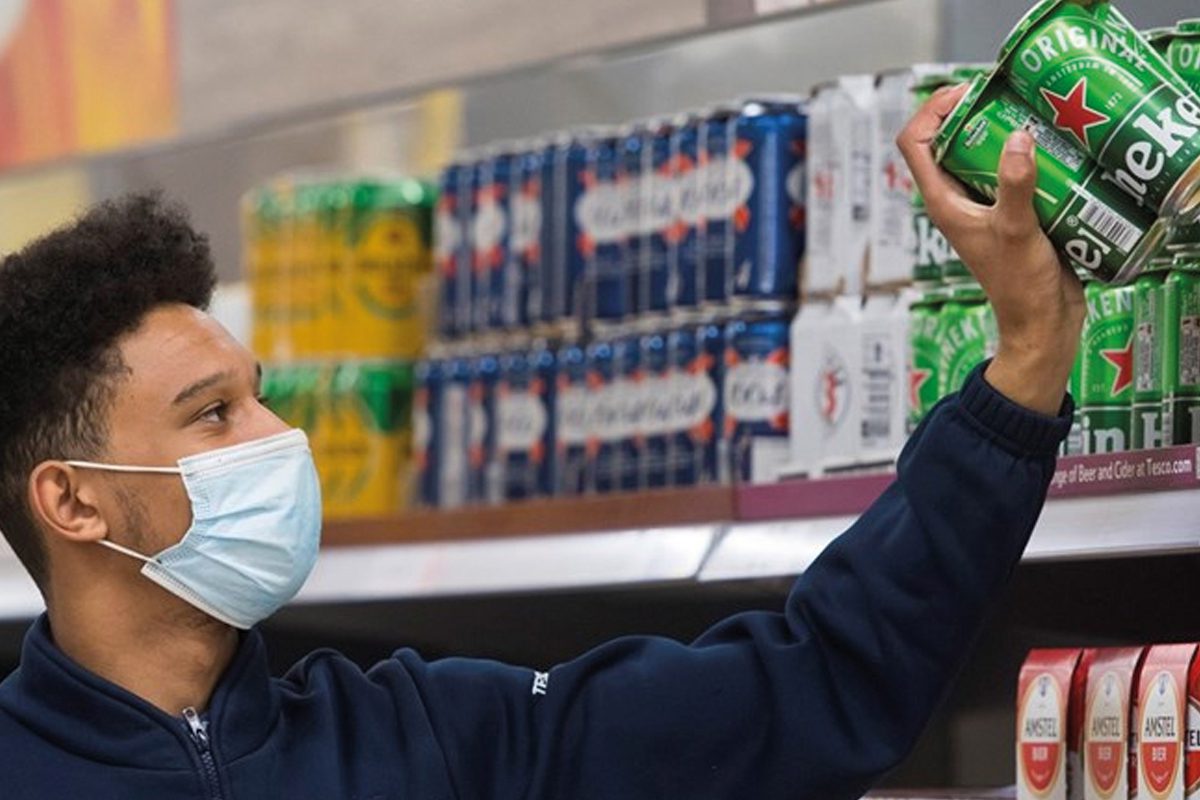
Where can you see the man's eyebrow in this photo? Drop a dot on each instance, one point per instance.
(200, 385)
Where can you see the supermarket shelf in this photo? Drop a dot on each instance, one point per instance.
(654, 509)
(520, 564)
(1148, 504)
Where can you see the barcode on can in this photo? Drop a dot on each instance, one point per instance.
(1189, 351)
(879, 374)
(1111, 225)
(1053, 144)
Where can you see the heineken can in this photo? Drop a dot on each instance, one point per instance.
(968, 336)
(1181, 354)
(1093, 223)
(924, 357)
(1073, 444)
(1181, 47)
(931, 251)
(1106, 392)
(1083, 67)
(1147, 427)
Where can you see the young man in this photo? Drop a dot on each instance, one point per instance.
(163, 511)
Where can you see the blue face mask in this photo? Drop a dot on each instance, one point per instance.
(255, 533)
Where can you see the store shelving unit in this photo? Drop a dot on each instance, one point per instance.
(1133, 504)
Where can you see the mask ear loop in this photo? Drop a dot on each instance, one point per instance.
(123, 468)
(120, 548)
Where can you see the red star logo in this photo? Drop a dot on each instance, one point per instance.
(1123, 360)
(917, 379)
(1072, 113)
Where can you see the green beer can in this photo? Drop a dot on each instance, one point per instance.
(1181, 353)
(933, 256)
(1093, 223)
(1183, 51)
(968, 335)
(924, 357)
(1082, 66)
(1106, 391)
(1181, 47)
(1147, 424)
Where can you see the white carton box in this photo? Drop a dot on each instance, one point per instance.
(893, 240)
(839, 185)
(826, 372)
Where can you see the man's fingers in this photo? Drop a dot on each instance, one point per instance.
(916, 145)
(1014, 212)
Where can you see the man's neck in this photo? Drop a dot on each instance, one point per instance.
(172, 659)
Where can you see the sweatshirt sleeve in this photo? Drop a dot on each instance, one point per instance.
(815, 702)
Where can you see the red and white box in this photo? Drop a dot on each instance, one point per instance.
(1169, 675)
(1110, 771)
(1043, 693)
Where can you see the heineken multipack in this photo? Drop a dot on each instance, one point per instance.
(1117, 130)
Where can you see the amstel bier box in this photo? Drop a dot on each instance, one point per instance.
(1168, 724)
(1043, 694)
(1108, 754)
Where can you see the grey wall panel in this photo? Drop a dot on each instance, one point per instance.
(974, 29)
(210, 179)
(788, 55)
(241, 60)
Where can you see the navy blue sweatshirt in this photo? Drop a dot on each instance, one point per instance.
(815, 702)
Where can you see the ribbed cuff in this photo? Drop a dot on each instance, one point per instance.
(1027, 431)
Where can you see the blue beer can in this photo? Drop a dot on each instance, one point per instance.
(483, 484)
(660, 221)
(631, 411)
(768, 218)
(454, 441)
(549, 284)
(522, 282)
(451, 254)
(635, 183)
(604, 443)
(697, 353)
(571, 425)
(656, 387)
(525, 436)
(725, 187)
(427, 430)
(756, 396)
(569, 174)
(684, 273)
(491, 237)
(600, 213)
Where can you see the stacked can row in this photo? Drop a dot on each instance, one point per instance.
(337, 266)
(682, 405)
(1136, 379)
(704, 210)
(358, 416)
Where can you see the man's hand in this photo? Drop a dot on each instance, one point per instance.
(1038, 301)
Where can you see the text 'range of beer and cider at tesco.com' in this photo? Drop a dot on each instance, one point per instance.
(743, 293)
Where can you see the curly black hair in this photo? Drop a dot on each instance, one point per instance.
(65, 300)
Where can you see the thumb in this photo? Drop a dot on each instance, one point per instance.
(1018, 180)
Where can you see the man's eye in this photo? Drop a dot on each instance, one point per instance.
(214, 413)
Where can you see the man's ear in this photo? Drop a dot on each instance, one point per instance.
(65, 504)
